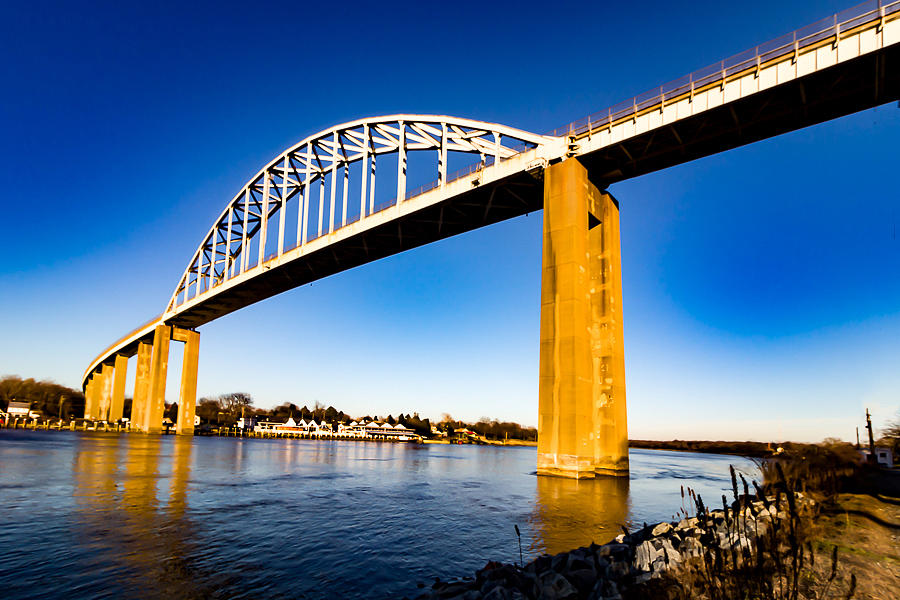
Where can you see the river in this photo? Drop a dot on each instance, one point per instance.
(104, 516)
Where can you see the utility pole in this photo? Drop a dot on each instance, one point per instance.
(857, 438)
(871, 437)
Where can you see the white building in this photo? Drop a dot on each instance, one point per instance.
(18, 409)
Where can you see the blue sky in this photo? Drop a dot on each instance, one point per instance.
(761, 287)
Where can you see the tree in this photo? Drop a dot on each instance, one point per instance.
(234, 404)
(891, 433)
(172, 412)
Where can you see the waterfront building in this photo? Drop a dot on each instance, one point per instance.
(19, 409)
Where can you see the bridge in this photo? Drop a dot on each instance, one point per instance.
(317, 209)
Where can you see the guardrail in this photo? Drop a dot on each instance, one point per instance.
(791, 43)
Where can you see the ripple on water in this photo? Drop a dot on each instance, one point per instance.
(171, 517)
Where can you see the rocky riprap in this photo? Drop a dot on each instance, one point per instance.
(606, 572)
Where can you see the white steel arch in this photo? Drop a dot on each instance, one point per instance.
(239, 237)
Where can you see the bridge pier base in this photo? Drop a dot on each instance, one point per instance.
(582, 430)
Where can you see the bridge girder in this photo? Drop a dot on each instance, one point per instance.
(322, 165)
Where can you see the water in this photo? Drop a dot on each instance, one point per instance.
(99, 515)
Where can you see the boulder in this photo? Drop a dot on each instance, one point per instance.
(553, 586)
(661, 529)
(582, 579)
(498, 593)
(644, 556)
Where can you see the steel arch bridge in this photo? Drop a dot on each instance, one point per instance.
(340, 198)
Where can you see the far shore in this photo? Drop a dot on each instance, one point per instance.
(750, 449)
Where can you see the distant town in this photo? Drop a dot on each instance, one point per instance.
(42, 404)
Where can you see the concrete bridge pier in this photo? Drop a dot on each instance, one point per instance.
(187, 399)
(582, 430)
(117, 404)
(148, 404)
(159, 364)
(92, 398)
(106, 372)
(141, 385)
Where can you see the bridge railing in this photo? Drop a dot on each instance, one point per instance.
(829, 27)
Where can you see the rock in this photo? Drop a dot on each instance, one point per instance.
(670, 554)
(538, 565)
(576, 563)
(553, 586)
(620, 538)
(582, 579)
(690, 547)
(644, 556)
(615, 551)
(452, 590)
(661, 529)
(558, 562)
(620, 569)
(498, 593)
(689, 523)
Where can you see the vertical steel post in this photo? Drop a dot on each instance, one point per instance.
(401, 164)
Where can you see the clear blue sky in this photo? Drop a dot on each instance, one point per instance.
(762, 286)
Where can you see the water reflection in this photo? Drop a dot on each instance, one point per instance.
(132, 496)
(102, 516)
(570, 513)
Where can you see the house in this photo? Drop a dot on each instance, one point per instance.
(19, 409)
(246, 423)
(883, 456)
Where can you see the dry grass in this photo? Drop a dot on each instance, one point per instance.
(813, 551)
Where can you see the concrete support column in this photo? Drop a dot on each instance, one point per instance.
(581, 423)
(96, 383)
(159, 365)
(117, 404)
(105, 392)
(89, 397)
(187, 400)
(141, 385)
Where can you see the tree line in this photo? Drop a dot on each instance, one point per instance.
(47, 397)
(55, 400)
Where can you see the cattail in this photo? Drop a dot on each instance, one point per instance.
(762, 496)
(733, 481)
(852, 589)
(833, 565)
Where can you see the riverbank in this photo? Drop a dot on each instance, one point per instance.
(790, 545)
